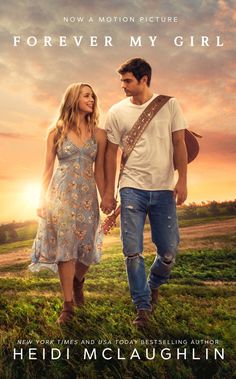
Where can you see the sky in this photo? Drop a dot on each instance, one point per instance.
(34, 78)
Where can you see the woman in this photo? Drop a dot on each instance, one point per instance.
(68, 232)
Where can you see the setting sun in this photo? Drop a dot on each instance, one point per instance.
(30, 195)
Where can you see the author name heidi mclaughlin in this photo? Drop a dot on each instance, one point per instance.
(109, 353)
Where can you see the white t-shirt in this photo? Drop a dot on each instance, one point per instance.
(150, 165)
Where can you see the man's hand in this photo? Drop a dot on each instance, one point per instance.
(180, 192)
(108, 204)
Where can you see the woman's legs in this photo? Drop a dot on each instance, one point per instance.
(71, 275)
(80, 271)
(78, 283)
(66, 273)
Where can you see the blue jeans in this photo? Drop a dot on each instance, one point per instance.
(161, 208)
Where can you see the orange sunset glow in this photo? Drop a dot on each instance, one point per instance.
(34, 78)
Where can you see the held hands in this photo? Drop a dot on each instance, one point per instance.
(108, 204)
(180, 192)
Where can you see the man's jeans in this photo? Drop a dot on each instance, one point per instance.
(161, 208)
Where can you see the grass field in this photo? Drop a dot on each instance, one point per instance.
(196, 308)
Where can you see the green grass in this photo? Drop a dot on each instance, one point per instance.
(202, 220)
(14, 246)
(206, 264)
(188, 310)
(108, 317)
(197, 304)
(27, 232)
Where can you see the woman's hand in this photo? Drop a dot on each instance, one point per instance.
(108, 204)
(41, 212)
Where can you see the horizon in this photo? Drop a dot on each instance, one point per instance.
(185, 205)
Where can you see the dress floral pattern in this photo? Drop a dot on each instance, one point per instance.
(71, 227)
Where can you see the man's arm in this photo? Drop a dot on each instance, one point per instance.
(108, 201)
(180, 158)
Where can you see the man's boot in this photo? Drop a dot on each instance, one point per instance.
(142, 318)
(67, 313)
(78, 292)
(154, 298)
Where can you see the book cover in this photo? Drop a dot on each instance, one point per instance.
(46, 46)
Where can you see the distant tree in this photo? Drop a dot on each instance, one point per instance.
(3, 237)
(202, 212)
(190, 211)
(12, 234)
(214, 208)
(231, 208)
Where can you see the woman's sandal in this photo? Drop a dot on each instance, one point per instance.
(67, 313)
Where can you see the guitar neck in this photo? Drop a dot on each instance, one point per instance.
(116, 212)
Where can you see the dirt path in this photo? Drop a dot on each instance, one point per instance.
(218, 228)
(213, 235)
(191, 237)
(19, 256)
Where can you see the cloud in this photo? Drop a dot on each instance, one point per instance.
(12, 135)
(43, 69)
(218, 142)
(190, 73)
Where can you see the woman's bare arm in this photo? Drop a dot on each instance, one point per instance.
(101, 138)
(50, 156)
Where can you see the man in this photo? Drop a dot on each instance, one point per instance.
(147, 183)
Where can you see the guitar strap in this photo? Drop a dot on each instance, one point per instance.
(138, 128)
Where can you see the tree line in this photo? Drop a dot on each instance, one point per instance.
(207, 209)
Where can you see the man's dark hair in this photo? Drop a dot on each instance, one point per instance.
(139, 67)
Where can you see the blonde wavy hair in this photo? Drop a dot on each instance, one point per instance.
(69, 113)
